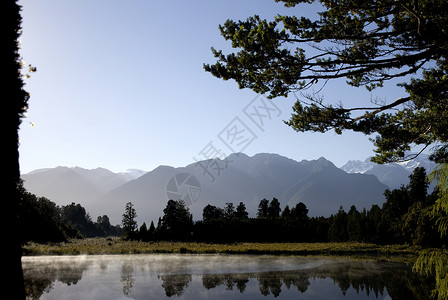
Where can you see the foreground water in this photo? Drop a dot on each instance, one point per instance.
(219, 277)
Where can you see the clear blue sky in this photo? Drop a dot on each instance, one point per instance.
(120, 85)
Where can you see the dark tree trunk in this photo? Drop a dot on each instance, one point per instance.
(13, 104)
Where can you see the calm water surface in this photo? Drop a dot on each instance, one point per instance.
(219, 277)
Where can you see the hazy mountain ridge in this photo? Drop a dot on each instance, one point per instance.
(318, 183)
(330, 187)
(64, 185)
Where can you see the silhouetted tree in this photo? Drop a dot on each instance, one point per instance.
(262, 211)
(241, 212)
(128, 222)
(300, 211)
(373, 220)
(354, 225)
(274, 208)
(14, 105)
(286, 212)
(75, 214)
(229, 210)
(418, 223)
(338, 228)
(104, 228)
(152, 231)
(177, 222)
(41, 220)
(211, 212)
(418, 185)
(396, 205)
(143, 233)
(103, 223)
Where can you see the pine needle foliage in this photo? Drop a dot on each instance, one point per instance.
(435, 261)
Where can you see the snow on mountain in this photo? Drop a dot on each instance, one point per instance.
(358, 166)
(393, 174)
(420, 161)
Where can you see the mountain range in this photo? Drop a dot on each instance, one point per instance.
(238, 178)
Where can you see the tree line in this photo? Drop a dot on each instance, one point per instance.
(41, 220)
(405, 217)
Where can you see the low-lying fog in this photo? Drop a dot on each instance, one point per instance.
(218, 277)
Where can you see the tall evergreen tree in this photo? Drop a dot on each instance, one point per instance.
(338, 228)
(177, 221)
(396, 205)
(300, 211)
(128, 222)
(229, 210)
(105, 227)
(211, 212)
(418, 185)
(152, 231)
(286, 212)
(373, 220)
(262, 211)
(274, 209)
(143, 233)
(354, 225)
(241, 212)
(74, 214)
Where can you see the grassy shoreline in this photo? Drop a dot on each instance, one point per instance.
(102, 246)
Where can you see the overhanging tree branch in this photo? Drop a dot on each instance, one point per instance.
(376, 110)
(366, 42)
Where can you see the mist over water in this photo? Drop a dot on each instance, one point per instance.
(219, 277)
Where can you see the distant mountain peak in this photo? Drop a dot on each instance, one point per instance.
(131, 174)
(358, 166)
(393, 174)
(238, 155)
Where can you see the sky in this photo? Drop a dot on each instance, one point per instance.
(120, 84)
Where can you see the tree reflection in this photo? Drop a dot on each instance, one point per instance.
(364, 277)
(210, 281)
(127, 278)
(270, 283)
(40, 277)
(298, 280)
(174, 285)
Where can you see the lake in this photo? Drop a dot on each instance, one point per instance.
(160, 276)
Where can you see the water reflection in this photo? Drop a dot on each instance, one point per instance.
(127, 278)
(219, 277)
(174, 285)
